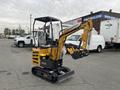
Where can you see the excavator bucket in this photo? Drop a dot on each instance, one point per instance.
(77, 55)
(80, 53)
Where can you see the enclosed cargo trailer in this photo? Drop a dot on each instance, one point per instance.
(110, 29)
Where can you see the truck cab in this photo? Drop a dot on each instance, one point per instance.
(23, 40)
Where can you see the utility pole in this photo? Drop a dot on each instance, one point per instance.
(30, 22)
(19, 29)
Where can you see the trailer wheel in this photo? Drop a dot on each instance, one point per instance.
(99, 49)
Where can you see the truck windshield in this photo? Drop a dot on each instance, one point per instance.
(74, 38)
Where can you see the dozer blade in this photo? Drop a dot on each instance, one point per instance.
(65, 76)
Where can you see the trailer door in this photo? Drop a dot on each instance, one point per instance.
(118, 38)
(109, 30)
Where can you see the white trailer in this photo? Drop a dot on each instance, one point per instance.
(110, 29)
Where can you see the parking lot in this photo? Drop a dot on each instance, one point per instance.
(98, 71)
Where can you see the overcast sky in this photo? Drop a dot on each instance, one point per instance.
(15, 12)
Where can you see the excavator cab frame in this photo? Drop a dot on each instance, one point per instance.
(47, 30)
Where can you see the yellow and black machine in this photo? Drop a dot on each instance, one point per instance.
(47, 56)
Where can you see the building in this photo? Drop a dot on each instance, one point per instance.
(98, 17)
(73, 22)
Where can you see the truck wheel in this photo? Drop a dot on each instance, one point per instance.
(99, 49)
(21, 44)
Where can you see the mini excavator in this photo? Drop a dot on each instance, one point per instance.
(47, 56)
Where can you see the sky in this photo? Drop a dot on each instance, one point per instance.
(17, 12)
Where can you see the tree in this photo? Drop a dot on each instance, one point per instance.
(22, 32)
(7, 31)
(17, 32)
(13, 32)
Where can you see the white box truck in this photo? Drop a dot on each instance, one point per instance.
(110, 29)
(96, 41)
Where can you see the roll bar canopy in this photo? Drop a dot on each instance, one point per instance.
(47, 19)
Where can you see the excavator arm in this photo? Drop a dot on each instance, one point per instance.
(87, 27)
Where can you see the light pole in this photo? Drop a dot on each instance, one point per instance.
(30, 22)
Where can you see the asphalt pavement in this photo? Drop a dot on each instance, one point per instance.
(98, 71)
